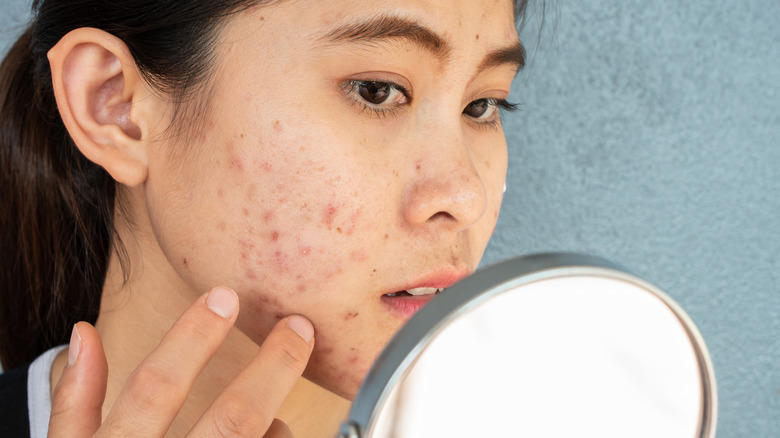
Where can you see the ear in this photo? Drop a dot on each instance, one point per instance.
(103, 101)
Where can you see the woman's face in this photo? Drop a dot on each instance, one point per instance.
(350, 152)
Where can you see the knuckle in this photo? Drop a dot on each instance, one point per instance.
(237, 415)
(291, 355)
(196, 328)
(152, 387)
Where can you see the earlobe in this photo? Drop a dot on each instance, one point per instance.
(99, 93)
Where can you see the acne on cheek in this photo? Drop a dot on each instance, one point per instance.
(347, 369)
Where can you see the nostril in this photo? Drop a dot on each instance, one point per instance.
(441, 216)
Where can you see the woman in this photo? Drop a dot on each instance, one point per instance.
(331, 165)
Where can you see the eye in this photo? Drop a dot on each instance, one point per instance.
(485, 111)
(377, 97)
(480, 109)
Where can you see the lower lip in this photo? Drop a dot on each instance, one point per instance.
(406, 306)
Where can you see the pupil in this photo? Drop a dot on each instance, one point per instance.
(477, 109)
(374, 92)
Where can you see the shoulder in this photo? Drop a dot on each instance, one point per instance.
(14, 417)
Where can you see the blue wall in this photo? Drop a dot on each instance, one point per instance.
(649, 135)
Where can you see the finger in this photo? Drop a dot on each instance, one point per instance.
(248, 405)
(76, 407)
(278, 430)
(156, 390)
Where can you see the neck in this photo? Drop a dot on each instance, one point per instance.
(134, 316)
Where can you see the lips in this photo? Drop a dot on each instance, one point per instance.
(416, 292)
(406, 301)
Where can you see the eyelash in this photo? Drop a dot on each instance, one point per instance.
(351, 88)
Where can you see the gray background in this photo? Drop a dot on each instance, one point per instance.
(648, 136)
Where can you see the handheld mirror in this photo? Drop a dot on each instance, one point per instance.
(546, 345)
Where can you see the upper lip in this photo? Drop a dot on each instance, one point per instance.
(440, 279)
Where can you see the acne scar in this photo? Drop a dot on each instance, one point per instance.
(477, 36)
(250, 274)
(268, 216)
(274, 236)
(278, 126)
(184, 262)
(350, 315)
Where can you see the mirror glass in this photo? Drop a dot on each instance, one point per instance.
(543, 346)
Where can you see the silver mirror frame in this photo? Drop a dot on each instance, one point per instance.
(404, 348)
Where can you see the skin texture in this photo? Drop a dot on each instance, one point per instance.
(293, 193)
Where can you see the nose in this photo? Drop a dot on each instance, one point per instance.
(446, 190)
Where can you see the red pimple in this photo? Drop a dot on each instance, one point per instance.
(250, 274)
(329, 213)
(267, 166)
(274, 236)
(268, 216)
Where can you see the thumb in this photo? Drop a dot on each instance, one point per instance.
(77, 404)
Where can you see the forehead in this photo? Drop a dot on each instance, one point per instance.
(456, 21)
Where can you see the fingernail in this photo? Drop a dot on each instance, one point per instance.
(75, 347)
(302, 326)
(223, 302)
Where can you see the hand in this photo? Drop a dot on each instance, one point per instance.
(156, 390)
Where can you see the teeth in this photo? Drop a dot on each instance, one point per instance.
(423, 291)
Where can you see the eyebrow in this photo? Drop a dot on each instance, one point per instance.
(388, 27)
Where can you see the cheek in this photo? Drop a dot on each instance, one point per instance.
(301, 232)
